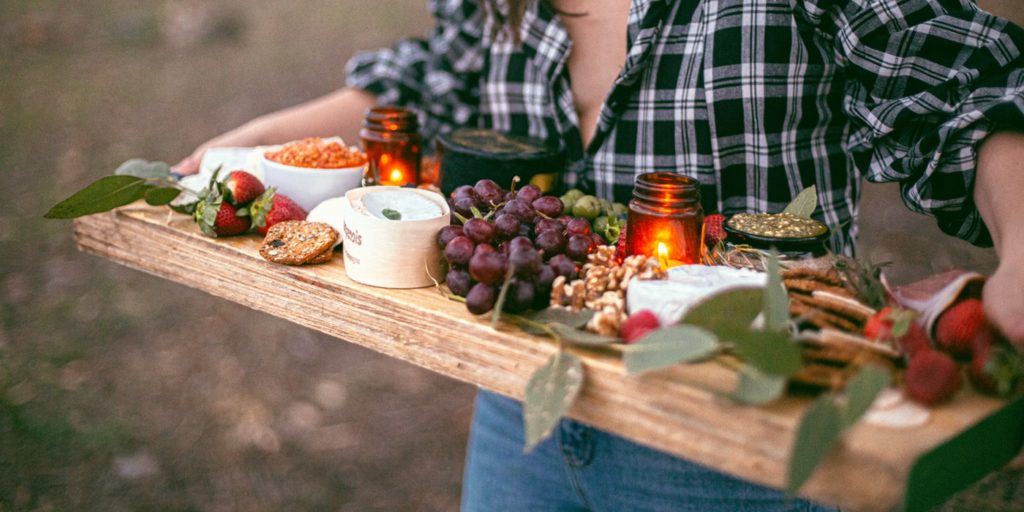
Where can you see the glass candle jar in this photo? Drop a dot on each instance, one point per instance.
(666, 219)
(393, 145)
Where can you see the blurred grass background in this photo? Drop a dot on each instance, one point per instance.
(121, 391)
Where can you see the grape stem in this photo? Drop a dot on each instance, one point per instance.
(500, 303)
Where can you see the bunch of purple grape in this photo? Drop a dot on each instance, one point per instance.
(496, 230)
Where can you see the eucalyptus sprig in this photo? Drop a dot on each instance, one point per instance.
(133, 180)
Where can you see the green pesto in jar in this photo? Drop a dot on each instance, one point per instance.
(777, 225)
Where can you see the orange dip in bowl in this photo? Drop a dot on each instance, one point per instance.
(315, 153)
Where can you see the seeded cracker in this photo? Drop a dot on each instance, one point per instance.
(298, 242)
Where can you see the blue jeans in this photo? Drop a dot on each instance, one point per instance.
(580, 468)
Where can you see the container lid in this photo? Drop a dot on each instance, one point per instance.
(494, 145)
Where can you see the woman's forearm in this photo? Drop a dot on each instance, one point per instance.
(337, 113)
(999, 194)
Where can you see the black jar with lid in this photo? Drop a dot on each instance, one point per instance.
(471, 154)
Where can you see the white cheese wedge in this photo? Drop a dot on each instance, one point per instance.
(685, 287)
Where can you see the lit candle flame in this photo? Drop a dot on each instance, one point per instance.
(396, 175)
(662, 255)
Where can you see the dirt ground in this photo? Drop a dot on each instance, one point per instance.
(121, 391)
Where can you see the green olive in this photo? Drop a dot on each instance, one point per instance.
(588, 207)
(600, 225)
(619, 210)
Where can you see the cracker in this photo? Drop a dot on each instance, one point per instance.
(321, 258)
(297, 242)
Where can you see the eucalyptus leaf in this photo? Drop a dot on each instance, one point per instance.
(390, 214)
(804, 203)
(818, 432)
(561, 316)
(731, 309)
(776, 301)
(581, 337)
(668, 346)
(862, 391)
(757, 388)
(102, 195)
(143, 169)
(771, 352)
(549, 394)
(161, 196)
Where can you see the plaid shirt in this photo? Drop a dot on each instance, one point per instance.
(757, 99)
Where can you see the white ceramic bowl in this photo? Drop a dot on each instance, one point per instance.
(308, 186)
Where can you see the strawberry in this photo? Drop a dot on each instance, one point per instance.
(714, 233)
(958, 325)
(932, 377)
(217, 217)
(915, 340)
(981, 353)
(241, 188)
(271, 208)
(638, 325)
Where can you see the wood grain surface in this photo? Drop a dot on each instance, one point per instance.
(677, 410)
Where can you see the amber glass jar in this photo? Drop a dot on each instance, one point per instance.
(393, 145)
(666, 219)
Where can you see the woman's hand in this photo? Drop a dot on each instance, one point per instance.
(247, 135)
(1004, 300)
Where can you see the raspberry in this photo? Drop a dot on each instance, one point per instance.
(620, 248)
(638, 325)
(932, 377)
(714, 233)
(958, 325)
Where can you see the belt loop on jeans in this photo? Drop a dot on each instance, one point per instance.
(577, 443)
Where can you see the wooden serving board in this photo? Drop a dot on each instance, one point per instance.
(677, 410)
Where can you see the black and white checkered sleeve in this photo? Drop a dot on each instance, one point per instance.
(437, 75)
(926, 81)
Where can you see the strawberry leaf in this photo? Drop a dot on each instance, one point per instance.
(549, 394)
(102, 195)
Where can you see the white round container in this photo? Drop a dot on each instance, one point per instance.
(308, 186)
(393, 253)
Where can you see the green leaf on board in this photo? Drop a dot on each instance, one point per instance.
(804, 204)
(161, 196)
(818, 432)
(499, 303)
(142, 169)
(731, 309)
(549, 394)
(668, 346)
(757, 388)
(862, 390)
(102, 195)
(771, 352)
(561, 316)
(581, 337)
(776, 301)
(390, 214)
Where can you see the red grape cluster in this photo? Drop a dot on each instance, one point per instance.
(497, 230)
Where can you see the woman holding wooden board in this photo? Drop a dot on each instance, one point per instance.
(757, 99)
